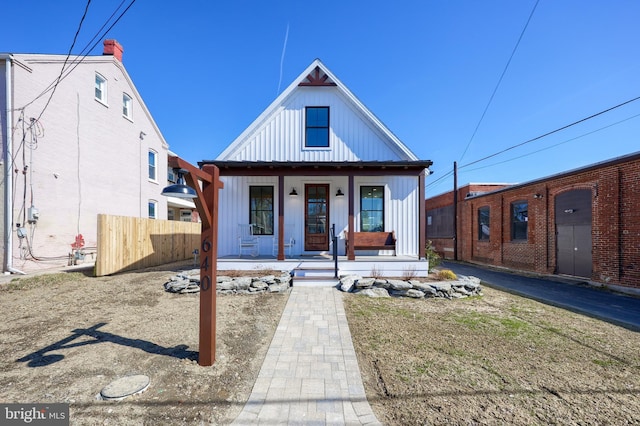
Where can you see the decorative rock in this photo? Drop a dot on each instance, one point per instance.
(399, 285)
(243, 283)
(259, 285)
(365, 282)
(465, 286)
(374, 292)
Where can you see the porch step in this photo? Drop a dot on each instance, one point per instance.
(314, 277)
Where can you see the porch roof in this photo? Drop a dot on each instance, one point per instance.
(320, 168)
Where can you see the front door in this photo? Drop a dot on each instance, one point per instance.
(316, 217)
(573, 233)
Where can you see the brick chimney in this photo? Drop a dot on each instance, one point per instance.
(112, 47)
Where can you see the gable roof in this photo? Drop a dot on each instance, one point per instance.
(316, 74)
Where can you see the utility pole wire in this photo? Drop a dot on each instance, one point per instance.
(552, 132)
(75, 37)
(499, 81)
(88, 48)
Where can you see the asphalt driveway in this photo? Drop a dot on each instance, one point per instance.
(620, 309)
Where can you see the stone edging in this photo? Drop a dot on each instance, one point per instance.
(464, 286)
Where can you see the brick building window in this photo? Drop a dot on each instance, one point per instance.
(519, 220)
(483, 223)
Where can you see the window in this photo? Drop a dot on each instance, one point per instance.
(317, 127)
(153, 208)
(441, 223)
(261, 209)
(126, 106)
(371, 208)
(519, 220)
(152, 165)
(101, 88)
(483, 223)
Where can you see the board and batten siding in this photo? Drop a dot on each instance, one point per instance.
(280, 137)
(401, 210)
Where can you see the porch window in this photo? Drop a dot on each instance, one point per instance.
(261, 209)
(317, 127)
(371, 208)
(519, 220)
(483, 223)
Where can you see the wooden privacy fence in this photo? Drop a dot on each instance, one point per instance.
(129, 243)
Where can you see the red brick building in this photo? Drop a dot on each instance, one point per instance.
(583, 223)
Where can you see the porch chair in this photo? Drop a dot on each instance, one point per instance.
(247, 241)
(288, 240)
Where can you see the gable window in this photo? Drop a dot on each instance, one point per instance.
(483, 223)
(261, 209)
(317, 127)
(126, 106)
(152, 165)
(153, 208)
(519, 220)
(101, 88)
(371, 208)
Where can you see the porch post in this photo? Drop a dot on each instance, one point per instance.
(422, 214)
(351, 254)
(281, 217)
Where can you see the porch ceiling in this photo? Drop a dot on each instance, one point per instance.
(322, 168)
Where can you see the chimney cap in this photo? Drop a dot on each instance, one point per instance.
(112, 47)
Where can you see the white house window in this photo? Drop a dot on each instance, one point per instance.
(371, 208)
(153, 208)
(317, 127)
(101, 88)
(126, 106)
(152, 165)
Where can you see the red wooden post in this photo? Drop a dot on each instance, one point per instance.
(207, 205)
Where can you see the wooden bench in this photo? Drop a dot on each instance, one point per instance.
(372, 241)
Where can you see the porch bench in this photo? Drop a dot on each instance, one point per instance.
(372, 241)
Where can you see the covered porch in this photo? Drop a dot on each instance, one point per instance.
(323, 265)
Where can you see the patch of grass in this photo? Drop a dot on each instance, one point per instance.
(603, 363)
(44, 280)
(369, 308)
(482, 321)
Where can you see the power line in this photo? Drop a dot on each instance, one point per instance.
(85, 52)
(557, 144)
(499, 80)
(450, 173)
(552, 132)
(75, 37)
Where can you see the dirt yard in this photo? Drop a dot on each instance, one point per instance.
(497, 359)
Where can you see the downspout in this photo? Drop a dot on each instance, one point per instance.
(8, 183)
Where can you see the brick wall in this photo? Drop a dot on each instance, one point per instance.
(615, 227)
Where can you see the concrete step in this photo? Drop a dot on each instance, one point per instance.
(311, 282)
(314, 273)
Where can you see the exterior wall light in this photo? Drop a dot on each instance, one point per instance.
(179, 189)
(293, 192)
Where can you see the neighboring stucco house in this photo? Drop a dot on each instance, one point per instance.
(77, 143)
(582, 223)
(315, 158)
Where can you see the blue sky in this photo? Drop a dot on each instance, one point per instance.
(427, 69)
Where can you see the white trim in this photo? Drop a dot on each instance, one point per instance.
(103, 87)
(274, 107)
